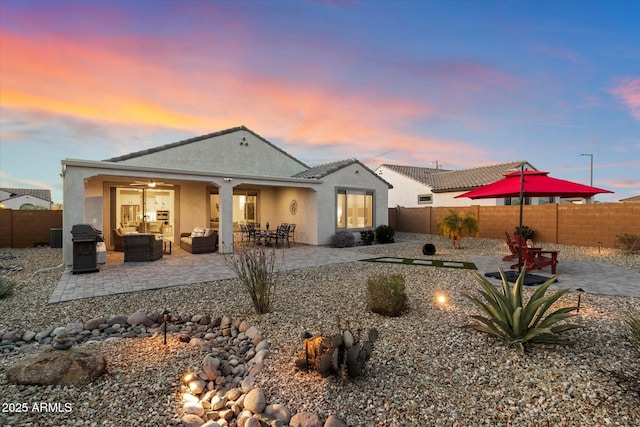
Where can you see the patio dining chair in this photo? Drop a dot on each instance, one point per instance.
(245, 235)
(280, 236)
(292, 233)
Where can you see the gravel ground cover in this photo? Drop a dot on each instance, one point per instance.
(425, 370)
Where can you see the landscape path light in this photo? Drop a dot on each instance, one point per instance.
(165, 319)
(580, 292)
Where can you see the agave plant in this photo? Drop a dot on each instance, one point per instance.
(517, 323)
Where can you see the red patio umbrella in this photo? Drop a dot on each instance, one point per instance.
(531, 183)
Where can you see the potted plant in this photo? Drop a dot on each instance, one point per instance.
(454, 224)
(525, 232)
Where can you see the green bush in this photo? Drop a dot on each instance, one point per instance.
(256, 270)
(516, 323)
(628, 376)
(6, 287)
(524, 231)
(386, 294)
(367, 237)
(384, 234)
(343, 239)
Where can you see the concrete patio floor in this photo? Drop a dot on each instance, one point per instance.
(183, 268)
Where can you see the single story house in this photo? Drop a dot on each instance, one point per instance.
(25, 198)
(221, 180)
(415, 186)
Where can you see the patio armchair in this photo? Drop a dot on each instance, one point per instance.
(117, 234)
(513, 248)
(141, 247)
(200, 244)
(535, 259)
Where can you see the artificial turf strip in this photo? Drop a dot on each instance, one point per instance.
(427, 262)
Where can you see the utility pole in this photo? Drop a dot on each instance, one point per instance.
(591, 174)
(590, 199)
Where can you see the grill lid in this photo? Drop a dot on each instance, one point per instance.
(86, 231)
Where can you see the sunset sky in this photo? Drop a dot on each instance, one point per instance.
(460, 83)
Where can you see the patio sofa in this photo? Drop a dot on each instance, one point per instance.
(141, 247)
(116, 236)
(200, 241)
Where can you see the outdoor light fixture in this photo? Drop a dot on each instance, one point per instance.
(165, 319)
(580, 292)
(441, 299)
(188, 377)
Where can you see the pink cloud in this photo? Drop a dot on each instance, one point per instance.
(628, 91)
(559, 52)
(152, 83)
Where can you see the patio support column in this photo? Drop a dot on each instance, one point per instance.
(225, 244)
(73, 202)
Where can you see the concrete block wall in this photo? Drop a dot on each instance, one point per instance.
(26, 228)
(582, 225)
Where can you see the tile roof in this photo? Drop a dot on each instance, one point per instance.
(195, 139)
(468, 179)
(422, 175)
(35, 192)
(320, 171)
(631, 199)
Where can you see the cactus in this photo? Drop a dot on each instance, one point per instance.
(340, 354)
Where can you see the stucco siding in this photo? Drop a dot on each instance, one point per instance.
(224, 154)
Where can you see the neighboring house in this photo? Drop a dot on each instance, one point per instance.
(221, 180)
(25, 198)
(417, 187)
(632, 199)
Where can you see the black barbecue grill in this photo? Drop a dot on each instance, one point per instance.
(85, 239)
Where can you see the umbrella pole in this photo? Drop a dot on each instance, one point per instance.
(521, 209)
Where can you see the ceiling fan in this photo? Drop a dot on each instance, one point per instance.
(151, 184)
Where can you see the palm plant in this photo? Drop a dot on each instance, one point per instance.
(516, 323)
(454, 224)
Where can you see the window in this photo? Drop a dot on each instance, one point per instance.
(514, 201)
(354, 209)
(424, 199)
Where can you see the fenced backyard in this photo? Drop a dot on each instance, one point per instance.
(568, 224)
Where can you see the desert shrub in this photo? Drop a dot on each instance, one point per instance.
(6, 286)
(628, 376)
(343, 239)
(516, 323)
(367, 236)
(628, 242)
(386, 294)
(384, 234)
(257, 273)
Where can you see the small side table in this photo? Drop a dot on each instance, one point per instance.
(165, 243)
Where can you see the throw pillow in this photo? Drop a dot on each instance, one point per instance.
(195, 232)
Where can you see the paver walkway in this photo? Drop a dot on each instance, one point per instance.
(594, 277)
(180, 268)
(183, 268)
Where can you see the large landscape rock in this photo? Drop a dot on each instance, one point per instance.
(54, 367)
